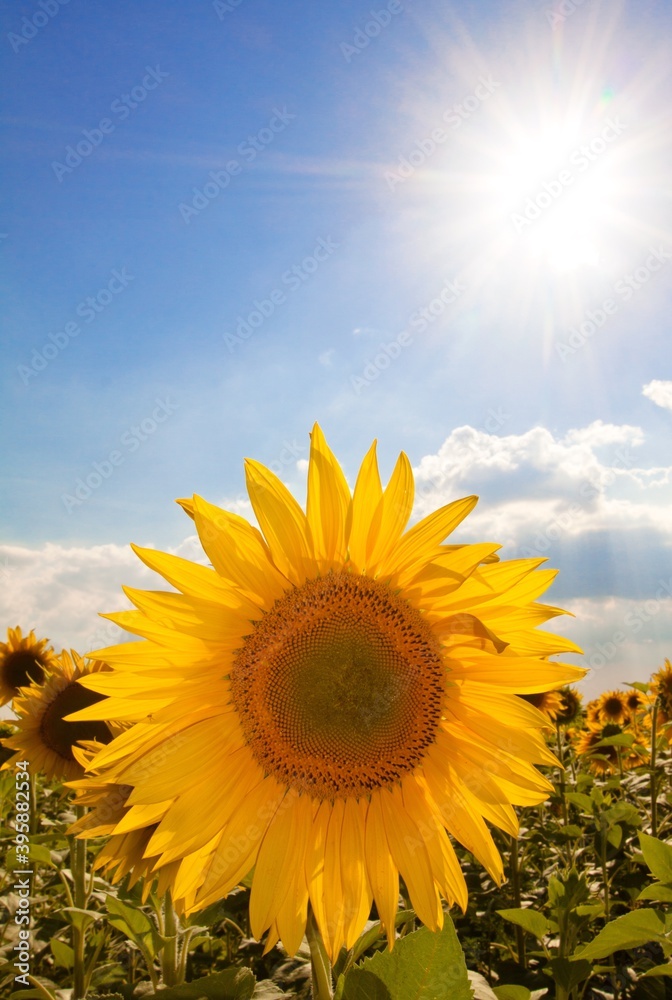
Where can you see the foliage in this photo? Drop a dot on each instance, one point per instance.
(584, 912)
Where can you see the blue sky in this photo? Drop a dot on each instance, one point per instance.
(445, 228)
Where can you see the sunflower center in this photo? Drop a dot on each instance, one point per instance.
(21, 667)
(59, 735)
(613, 707)
(339, 688)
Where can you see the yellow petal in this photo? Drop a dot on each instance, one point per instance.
(239, 553)
(410, 855)
(381, 869)
(283, 523)
(391, 515)
(328, 504)
(420, 543)
(366, 497)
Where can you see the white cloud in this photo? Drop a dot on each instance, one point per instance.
(326, 358)
(659, 392)
(534, 485)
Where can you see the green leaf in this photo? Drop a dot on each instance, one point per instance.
(623, 812)
(424, 965)
(533, 922)
(658, 856)
(658, 970)
(659, 892)
(233, 984)
(581, 800)
(621, 740)
(79, 918)
(135, 924)
(629, 931)
(568, 973)
(569, 832)
(511, 992)
(615, 836)
(63, 953)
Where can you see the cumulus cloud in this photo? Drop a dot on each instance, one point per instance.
(659, 392)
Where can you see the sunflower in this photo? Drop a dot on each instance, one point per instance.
(549, 703)
(571, 706)
(609, 759)
(328, 701)
(43, 735)
(612, 707)
(22, 660)
(106, 809)
(661, 690)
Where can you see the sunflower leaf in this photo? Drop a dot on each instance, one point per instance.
(233, 984)
(424, 965)
(658, 856)
(531, 921)
(629, 931)
(135, 924)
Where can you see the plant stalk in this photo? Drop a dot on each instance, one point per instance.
(79, 899)
(515, 886)
(654, 797)
(169, 951)
(319, 961)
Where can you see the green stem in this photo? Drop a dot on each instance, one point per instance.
(654, 797)
(319, 961)
(515, 885)
(79, 899)
(169, 952)
(605, 877)
(565, 817)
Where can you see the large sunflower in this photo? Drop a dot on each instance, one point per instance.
(23, 660)
(43, 735)
(329, 700)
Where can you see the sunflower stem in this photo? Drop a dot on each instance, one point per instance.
(515, 885)
(169, 952)
(79, 899)
(561, 758)
(319, 961)
(653, 781)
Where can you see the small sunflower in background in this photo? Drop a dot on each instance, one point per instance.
(604, 760)
(43, 736)
(661, 692)
(333, 690)
(612, 708)
(106, 811)
(549, 703)
(572, 701)
(23, 660)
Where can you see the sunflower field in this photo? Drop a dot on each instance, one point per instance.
(340, 761)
